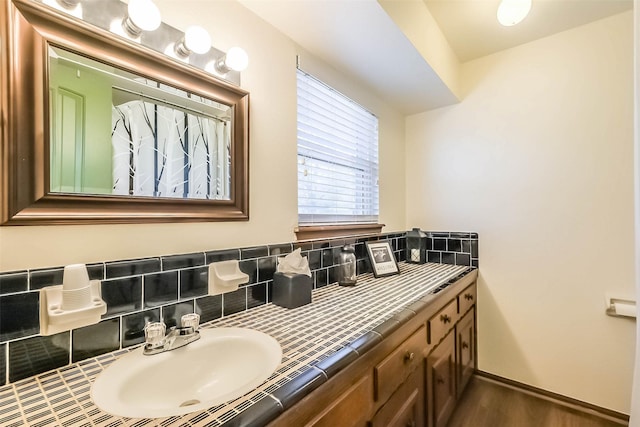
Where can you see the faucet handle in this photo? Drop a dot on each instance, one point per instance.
(191, 320)
(154, 333)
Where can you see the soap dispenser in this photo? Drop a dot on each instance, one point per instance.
(347, 266)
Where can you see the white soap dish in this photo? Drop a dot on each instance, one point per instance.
(225, 276)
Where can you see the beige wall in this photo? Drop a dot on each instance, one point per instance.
(270, 79)
(538, 159)
(635, 395)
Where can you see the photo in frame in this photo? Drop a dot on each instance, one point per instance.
(383, 263)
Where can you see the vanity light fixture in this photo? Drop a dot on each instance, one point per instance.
(140, 22)
(512, 12)
(142, 15)
(71, 7)
(196, 39)
(235, 59)
(68, 4)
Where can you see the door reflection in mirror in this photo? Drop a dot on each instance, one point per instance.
(159, 141)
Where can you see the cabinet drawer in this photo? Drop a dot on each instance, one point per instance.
(466, 299)
(440, 324)
(398, 365)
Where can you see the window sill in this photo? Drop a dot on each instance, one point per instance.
(309, 232)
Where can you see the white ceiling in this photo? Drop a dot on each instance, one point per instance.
(359, 38)
(472, 30)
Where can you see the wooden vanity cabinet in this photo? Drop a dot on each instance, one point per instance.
(441, 382)
(466, 339)
(451, 362)
(341, 412)
(405, 408)
(412, 378)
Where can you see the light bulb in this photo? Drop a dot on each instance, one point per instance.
(69, 4)
(142, 15)
(512, 12)
(70, 7)
(196, 39)
(236, 59)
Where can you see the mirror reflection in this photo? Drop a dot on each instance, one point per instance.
(117, 133)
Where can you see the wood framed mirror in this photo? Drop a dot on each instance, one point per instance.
(170, 142)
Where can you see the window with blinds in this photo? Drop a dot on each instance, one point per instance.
(337, 157)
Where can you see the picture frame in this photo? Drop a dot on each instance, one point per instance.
(383, 262)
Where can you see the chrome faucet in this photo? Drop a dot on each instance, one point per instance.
(157, 342)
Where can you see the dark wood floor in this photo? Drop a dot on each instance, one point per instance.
(487, 404)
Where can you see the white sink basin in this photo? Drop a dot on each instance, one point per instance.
(222, 365)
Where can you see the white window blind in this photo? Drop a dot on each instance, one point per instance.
(337, 157)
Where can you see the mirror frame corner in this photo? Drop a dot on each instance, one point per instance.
(26, 30)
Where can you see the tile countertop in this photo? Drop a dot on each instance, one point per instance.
(317, 340)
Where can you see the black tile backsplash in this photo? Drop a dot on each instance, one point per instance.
(3, 364)
(250, 267)
(96, 271)
(19, 315)
(433, 256)
(314, 258)
(160, 288)
(454, 245)
(149, 289)
(171, 314)
(14, 282)
(175, 262)
(42, 278)
(448, 258)
(209, 307)
(266, 268)
(122, 295)
(281, 249)
(254, 252)
(222, 255)
(440, 244)
(35, 355)
(321, 277)
(133, 326)
(256, 295)
(95, 340)
(234, 302)
(131, 267)
(463, 259)
(451, 248)
(194, 282)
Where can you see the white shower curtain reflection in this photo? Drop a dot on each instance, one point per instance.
(161, 151)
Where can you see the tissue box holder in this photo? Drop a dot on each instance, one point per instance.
(291, 290)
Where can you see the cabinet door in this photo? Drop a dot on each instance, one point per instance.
(405, 408)
(349, 410)
(466, 349)
(441, 382)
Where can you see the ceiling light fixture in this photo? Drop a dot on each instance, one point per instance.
(142, 15)
(512, 12)
(235, 59)
(196, 39)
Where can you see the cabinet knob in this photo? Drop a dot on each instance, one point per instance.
(445, 318)
(411, 423)
(440, 380)
(468, 297)
(409, 356)
(465, 345)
